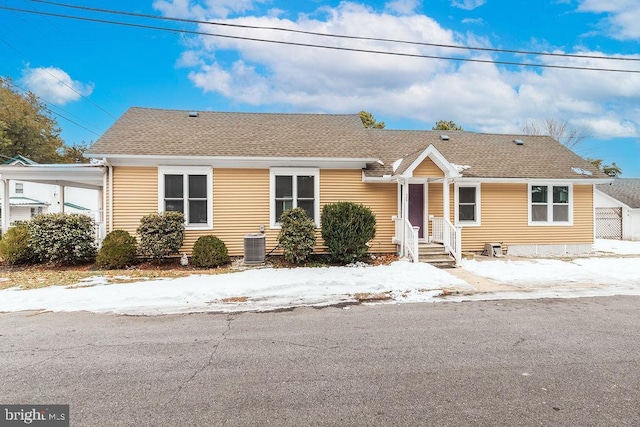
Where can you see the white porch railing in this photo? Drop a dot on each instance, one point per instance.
(407, 238)
(444, 232)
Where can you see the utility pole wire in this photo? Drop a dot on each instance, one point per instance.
(340, 36)
(318, 46)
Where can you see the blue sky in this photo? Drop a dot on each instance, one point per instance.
(112, 68)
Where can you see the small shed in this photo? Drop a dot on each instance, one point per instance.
(617, 208)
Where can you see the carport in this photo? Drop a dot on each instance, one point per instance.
(90, 176)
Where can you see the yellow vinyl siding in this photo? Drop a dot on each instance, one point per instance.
(504, 219)
(240, 206)
(135, 194)
(382, 199)
(428, 169)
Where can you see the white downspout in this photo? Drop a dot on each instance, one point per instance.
(110, 168)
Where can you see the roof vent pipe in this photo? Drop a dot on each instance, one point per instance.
(518, 141)
(193, 114)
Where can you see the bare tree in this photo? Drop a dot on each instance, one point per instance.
(558, 129)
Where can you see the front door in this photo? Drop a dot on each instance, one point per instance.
(416, 207)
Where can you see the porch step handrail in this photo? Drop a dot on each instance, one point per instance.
(407, 238)
(450, 236)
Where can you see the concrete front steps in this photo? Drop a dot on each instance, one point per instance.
(436, 255)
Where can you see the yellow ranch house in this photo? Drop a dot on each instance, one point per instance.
(235, 173)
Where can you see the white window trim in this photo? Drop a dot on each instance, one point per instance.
(549, 222)
(185, 171)
(456, 205)
(273, 172)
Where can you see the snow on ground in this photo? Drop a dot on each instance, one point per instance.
(252, 290)
(619, 247)
(267, 289)
(608, 270)
(553, 272)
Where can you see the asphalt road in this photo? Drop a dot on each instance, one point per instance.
(573, 362)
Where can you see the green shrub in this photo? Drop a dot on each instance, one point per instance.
(346, 229)
(60, 238)
(161, 234)
(209, 251)
(14, 246)
(118, 250)
(297, 236)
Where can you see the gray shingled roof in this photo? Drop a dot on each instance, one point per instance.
(626, 190)
(487, 155)
(143, 131)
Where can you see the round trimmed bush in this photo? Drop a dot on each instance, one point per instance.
(347, 228)
(118, 250)
(14, 246)
(209, 251)
(297, 235)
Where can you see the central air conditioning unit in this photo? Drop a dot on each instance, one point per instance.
(254, 248)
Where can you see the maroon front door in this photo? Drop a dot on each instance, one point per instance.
(416, 207)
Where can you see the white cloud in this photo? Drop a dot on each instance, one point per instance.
(473, 21)
(208, 10)
(54, 85)
(622, 16)
(484, 97)
(402, 7)
(468, 4)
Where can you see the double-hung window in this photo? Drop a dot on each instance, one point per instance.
(294, 188)
(186, 190)
(467, 204)
(550, 204)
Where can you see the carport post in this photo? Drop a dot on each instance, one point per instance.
(5, 206)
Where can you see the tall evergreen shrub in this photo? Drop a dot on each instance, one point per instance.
(347, 227)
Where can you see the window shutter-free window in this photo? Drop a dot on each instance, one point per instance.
(550, 204)
(294, 188)
(466, 203)
(187, 190)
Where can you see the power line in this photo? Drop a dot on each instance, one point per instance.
(318, 46)
(51, 105)
(340, 36)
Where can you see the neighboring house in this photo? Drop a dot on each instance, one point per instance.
(30, 198)
(235, 173)
(618, 209)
